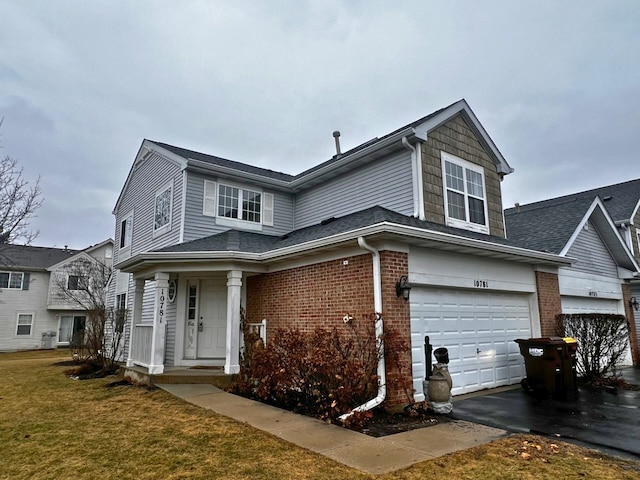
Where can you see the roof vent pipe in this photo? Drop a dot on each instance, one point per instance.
(517, 206)
(336, 136)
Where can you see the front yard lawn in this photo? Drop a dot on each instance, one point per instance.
(52, 427)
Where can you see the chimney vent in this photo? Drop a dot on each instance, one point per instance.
(336, 136)
(517, 207)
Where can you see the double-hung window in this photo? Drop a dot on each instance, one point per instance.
(126, 229)
(25, 324)
(246, 207)
(162, 214)
(12, 280)
(464, 194)
(77, 282)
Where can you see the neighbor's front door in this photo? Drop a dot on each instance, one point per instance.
(212, 321)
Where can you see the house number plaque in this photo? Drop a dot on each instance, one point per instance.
(481, 283)
(161, 306)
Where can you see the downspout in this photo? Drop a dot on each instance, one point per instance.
(377, 303)
(416, 176)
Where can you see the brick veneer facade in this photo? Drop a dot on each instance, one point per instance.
(549, 304)
(631, 322)
(321, 294)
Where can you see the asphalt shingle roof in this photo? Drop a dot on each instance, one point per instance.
(251, 242)
(242, 167)
(620, 199)
(548, 227)
(28, 257)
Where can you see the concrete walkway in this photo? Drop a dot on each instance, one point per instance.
(365, 453)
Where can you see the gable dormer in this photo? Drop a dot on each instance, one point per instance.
(461, 178)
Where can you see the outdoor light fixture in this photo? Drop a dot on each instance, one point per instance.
(633, 303)
(403, 287)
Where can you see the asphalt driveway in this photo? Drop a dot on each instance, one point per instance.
(595, 418)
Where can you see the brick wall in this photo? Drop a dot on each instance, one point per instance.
(549, 304)
(631, 321)
(455, 137)
(321, 294)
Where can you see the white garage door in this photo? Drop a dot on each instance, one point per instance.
(478, 328)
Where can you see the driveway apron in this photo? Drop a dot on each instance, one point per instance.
(608, 421)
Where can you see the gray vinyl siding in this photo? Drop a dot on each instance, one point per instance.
(591, 254)
(198, 225)
(139, 198)
(386, 182)
(635, 292)
(148, 301)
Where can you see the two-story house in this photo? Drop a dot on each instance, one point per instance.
(598, 230)
(200, 237)
(33, 313)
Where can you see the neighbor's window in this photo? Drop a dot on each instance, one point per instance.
(11, 280)
(239, 203)
(121, 312)
(162, 216)
(25, 322)
(465, 199)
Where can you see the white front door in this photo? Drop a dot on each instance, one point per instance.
(478, 328)
(212, 321)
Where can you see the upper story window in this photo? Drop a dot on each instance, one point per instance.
(126, 229)
(13, 280)
(464, 194)
(247, 208)
(162, 214)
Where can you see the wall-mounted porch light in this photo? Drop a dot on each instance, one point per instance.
(633, 303)
(403, 287)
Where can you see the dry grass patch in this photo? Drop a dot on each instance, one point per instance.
(55, 427)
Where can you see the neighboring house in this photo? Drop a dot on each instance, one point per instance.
(32, 312)
(600, 229)
(200, 237)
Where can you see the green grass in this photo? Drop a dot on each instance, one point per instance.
(52, 427)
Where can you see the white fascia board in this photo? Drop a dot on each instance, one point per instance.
(146, 149)
(462, 106)
(99, 245)
(635, 212)
(583, 221)
(597, 203)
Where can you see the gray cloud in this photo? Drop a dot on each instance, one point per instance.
(81, 84)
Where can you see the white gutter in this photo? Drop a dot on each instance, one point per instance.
(377, 305)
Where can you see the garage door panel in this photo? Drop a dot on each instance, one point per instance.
(478, 329)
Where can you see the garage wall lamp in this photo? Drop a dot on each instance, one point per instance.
(403, 287)
(633, 303)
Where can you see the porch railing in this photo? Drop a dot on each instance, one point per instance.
(141, 344)
(260, 329)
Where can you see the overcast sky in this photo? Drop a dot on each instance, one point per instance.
(555, 84)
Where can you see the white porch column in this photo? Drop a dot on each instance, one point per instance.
(135, 316)
(234, 287)
(159, 324)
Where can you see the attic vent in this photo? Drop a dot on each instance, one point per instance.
(327, 220)
(607, 198)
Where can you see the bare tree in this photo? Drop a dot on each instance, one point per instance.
(18, 203)
(83, 285)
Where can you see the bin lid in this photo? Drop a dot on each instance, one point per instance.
(569, 340)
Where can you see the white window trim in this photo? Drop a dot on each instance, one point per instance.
(9, 287)
(210, 195)
(33, 323)
(167, 227)
(125, 250)
(455, 222)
